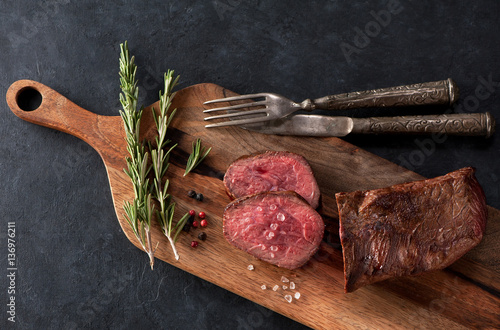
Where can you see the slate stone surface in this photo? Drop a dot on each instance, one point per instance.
(75, 268)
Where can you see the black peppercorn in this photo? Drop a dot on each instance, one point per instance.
(202, 236)
(199, 197)
(192, 193)
(190, 220)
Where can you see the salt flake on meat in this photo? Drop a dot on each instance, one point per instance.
(294, 248)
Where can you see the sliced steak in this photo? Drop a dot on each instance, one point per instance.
(410, 228)
(272, 171)
(278, 227)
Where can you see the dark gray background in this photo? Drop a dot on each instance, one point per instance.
(76, 269)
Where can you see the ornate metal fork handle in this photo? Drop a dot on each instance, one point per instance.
(475, 124)
(436, 92)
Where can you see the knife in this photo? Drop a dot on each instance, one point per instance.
(468, 124)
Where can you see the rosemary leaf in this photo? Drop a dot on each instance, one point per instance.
(196, 156)
(180, 224)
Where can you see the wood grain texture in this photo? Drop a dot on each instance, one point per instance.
(465, 295)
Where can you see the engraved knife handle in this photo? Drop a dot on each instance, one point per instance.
(470, 124)
(436, 92)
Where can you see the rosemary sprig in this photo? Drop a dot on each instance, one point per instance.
(197, 156)
(138, 213)
(160, 159)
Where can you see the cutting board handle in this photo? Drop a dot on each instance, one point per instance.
(57, 112)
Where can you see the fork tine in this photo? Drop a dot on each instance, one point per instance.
(236, 98)
(239, 114)
(238, 106)
(238, 122)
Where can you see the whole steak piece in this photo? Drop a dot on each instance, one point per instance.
(278, 227)
(410, 228)
(272, 171)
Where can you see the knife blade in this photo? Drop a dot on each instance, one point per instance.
(305, 125)
(468, 124)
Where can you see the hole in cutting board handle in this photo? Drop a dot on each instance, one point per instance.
(29, 99)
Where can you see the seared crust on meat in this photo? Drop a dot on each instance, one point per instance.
(410, 228)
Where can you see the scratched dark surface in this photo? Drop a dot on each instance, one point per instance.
(75, 268)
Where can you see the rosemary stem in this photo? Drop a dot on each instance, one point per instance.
(150, 250)
(172, 243)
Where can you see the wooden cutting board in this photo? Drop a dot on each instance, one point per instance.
(465, 295)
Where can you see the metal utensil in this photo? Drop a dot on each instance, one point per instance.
(274, 106)
(471, 124)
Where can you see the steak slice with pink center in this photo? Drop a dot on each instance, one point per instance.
(278, 227)
(272, 171)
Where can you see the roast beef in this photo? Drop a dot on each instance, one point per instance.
(278, 227)
(272, 171)
(410, 228)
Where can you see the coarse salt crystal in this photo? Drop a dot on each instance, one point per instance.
(250, 267)
(272, 207)
(285, 287)
(274, 226)
(276, 287)
(274, 248)
(269, 235)
(272, 255)
(292, 285)
(297, 295)
(288, 298)
(284, 279)
(259, 208)
(280, 217)
(263, 287)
